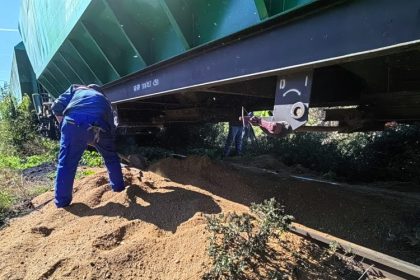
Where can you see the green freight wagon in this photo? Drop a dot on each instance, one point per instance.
(179, 61)
(100, 41)
(22, 78)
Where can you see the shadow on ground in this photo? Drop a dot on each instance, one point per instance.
(167, 210)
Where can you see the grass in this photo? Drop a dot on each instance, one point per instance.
(84, 173)
(38, 190)
(6, 201)
(14, 190)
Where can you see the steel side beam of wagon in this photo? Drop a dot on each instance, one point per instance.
(319, 34)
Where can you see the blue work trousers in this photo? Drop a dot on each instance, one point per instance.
(76, 135)
(236, 134)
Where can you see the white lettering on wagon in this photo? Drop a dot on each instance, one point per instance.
(146, 85)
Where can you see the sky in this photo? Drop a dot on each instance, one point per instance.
(9, 36)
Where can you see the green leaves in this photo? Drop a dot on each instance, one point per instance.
(272, 215)
(18, 163)
(18, 129)
(239, 242)
(92, 159)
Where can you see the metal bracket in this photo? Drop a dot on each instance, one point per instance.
(293, 94)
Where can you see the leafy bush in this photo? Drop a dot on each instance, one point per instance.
(393, 154)
(180, 136)
(18, 129)
(17, 126)
(92, 159)
(238, 244)
(19, 163)
(20, 148)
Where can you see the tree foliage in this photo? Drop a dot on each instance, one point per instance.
(17, 126)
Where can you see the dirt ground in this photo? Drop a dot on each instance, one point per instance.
(155, 229)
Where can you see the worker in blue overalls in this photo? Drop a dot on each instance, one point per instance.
(86, 118)
(235, 135)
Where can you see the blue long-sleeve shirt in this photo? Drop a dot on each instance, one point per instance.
(80, 100)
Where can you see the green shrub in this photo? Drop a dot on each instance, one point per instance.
(19, 163)
(10, 162)
(180, 136)
(393, 154)
(20, 148)
(239, 243)
(18, 130)
(17, 126)
(92, 159)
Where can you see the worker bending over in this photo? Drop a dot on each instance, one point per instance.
(86, 118)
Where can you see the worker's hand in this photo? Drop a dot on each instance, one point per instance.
(255, 120)
(59, 118)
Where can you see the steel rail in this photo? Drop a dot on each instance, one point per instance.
(377, 263)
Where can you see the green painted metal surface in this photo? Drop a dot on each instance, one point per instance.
(99, 41)
(44, 25)
(22, 78)
(275, 7)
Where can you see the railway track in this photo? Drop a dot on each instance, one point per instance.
(374, 263)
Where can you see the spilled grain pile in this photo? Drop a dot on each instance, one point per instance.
(155, 229)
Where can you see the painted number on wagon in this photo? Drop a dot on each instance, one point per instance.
(282, 83)
(145, 85)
